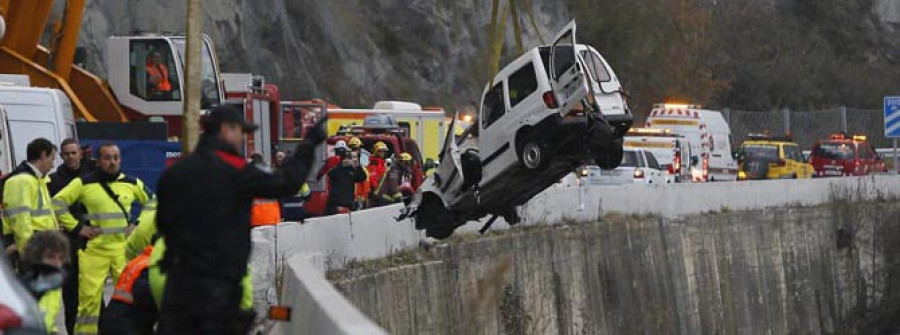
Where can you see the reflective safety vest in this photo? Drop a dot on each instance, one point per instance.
(131, 273)
(265, 212)
(102, 210)
(159, 71)
(27, 207)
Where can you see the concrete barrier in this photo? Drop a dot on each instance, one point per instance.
(316, 306)
(375, 233)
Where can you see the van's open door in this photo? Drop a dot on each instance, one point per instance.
(6, 160)
(566, 74)
(449, 173)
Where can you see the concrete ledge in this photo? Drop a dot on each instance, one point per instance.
(317, 308)
(374, 233)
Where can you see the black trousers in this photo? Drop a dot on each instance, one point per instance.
(194, 304)
(70, 290)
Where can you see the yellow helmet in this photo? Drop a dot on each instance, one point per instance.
(405, 157)
(354, 142)
(379, 146)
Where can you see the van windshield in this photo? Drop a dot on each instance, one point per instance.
(834, 151)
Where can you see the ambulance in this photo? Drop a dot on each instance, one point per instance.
(707, 134)
(672, 151)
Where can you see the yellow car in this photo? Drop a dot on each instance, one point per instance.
(764, 157)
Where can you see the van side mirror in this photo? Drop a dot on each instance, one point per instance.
(695, 160)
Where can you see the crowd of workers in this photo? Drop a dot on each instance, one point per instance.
(180, 266)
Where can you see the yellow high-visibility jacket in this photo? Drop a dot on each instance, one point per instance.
(26, 206)
(102, 211)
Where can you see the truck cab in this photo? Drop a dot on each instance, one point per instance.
(146, 74)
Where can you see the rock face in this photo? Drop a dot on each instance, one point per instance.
(351, 52)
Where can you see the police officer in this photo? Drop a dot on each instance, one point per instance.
(108, 195)
(73, 166)
(26, 209)
(204, 218)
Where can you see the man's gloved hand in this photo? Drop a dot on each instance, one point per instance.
(317, 134)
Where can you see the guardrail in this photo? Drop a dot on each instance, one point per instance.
(374, 233)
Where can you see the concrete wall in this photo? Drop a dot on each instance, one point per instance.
(774, 271)
(374, 233)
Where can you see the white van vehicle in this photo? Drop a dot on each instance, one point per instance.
(638, 166)
(709, 137)
(27, 113)
(544, 114)
(672, 151)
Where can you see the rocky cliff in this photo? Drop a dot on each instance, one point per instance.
(352, 52)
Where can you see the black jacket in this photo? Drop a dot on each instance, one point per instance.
(61, 178)
(342, 184)
(204, 207)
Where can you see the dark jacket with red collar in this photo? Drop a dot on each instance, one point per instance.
(204, 206)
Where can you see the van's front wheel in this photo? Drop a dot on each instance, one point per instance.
(534, 155)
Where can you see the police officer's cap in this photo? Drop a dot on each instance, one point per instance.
(218, 115)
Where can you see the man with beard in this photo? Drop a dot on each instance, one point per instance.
(107, 194)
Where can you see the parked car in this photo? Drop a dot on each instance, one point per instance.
(767, 157)
(672, 151)
(841, 155)
(709, 137)
(19, 312)
(548, 111)
(638, 167)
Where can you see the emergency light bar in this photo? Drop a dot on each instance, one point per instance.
(676, 106)
(859, 137)
(649, 131)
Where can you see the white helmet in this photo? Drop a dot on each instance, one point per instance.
(341, 145)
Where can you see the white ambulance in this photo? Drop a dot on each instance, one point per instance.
(672, 151)
(709, 137)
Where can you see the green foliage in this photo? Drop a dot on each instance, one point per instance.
(743, 54)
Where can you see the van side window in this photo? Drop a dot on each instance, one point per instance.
(793, 152)
(493, 107)
(521, 84)
(595, 66)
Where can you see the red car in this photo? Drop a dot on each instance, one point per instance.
(845, 156)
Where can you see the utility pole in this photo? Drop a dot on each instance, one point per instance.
(192, 81)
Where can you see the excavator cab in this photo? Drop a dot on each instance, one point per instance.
(146, 73)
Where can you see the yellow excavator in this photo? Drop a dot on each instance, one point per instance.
(135, 65)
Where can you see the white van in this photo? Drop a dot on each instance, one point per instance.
(27, 113)
(671, 150)
(709, 137)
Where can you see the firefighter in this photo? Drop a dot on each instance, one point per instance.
(73, 166)
(204, 219)
(108, 196)
(27, 208)
(362, 188)
(377, 166)
(395, 183)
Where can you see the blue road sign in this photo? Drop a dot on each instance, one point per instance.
(892, 117)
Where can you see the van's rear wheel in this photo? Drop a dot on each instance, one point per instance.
(534, 155)
(610, 156)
